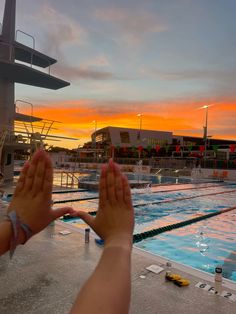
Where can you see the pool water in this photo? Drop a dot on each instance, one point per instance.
(61, 178)
(202, 245)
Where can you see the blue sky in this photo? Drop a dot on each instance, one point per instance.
(149, 54)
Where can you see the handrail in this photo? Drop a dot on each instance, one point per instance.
(32, 110)
(20, 31)
(70, 175)
(12, 48)
(26, 102)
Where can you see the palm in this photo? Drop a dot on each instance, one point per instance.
(33, 194)
(115, 216)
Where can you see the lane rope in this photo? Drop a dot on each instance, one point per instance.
(183, 198)
(153, 232)
(151, 203)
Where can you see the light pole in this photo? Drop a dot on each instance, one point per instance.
(139, 135)
(205, 130)
(140, 126)
(95, 133)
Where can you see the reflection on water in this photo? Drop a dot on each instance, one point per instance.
(202, 245)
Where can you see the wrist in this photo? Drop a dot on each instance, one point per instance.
(125, 242)
(21, 236)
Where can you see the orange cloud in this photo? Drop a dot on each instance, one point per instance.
(180, 118)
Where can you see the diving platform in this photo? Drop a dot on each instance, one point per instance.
(26, 54)
(26, 118)
(29, 55)
(20, 73)
(17, 65)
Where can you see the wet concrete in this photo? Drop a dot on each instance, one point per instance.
(46, 274)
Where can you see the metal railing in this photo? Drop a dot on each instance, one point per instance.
(70, 179)
(32, 37)
(218, 164)
(11, 56)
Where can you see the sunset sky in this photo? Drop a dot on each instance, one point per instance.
(164, 59)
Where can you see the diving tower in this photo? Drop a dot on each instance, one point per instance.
(12, 72)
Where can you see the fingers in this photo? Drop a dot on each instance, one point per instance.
(21, 181)
(102, 187)
(127, 192)
(56, 213)
(38, 177)
(113, 186)
(110, 183)
(118, 184)
(31, 172)
(48, 178)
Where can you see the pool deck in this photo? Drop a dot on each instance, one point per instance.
(46, 274)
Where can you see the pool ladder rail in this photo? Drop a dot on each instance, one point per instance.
(71, 179)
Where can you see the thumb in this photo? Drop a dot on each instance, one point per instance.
(58, 212)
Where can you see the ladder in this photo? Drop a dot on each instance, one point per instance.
(71, 179)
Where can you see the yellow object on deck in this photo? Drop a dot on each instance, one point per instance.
(177, 279)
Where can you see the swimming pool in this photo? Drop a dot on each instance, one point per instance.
(201, 245)
(60, 178)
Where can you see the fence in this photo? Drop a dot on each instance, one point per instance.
(218, 164)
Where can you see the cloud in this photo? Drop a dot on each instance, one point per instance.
(206, 74)
(80, 73)
(134, 25)
(98, 61)
(60, 31)
(180, 118)
(215, 83)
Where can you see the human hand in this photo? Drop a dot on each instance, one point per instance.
(32, 199)
(114, 221)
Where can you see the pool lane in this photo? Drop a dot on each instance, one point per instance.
(202, 245)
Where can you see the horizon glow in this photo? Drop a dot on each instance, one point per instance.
(162, 58)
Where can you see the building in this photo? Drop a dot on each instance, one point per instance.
(124, 141)
(131, 137)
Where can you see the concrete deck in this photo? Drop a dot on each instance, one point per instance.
(46, 274)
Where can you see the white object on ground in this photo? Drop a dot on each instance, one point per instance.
(155, 269)
(65, 232)
(142, 276)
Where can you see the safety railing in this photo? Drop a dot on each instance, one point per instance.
(10, 56)
(69, 179)
(218, 164)
(28, 35)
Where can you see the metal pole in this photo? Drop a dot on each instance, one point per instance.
(206, 126)
(95, 133)
(140, 128)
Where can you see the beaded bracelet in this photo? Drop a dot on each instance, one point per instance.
(16, 226)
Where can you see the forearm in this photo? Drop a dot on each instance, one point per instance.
(109, 287)
(5, 236)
